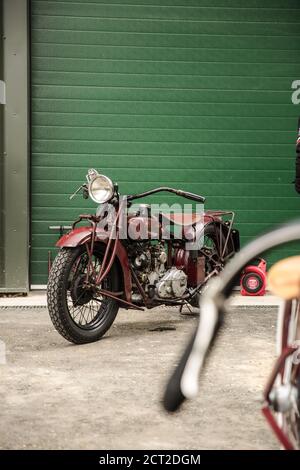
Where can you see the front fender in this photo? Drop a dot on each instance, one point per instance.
(75, 237)
(81, 235)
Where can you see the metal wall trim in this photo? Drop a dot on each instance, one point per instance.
(15, 158)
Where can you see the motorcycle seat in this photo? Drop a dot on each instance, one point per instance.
(183, 219)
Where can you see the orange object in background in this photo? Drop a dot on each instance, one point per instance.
(284, 278)
(254, 279)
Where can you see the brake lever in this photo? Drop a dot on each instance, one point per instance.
(85, 192)
(76, 192)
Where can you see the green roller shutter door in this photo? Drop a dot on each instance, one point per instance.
(193, 94)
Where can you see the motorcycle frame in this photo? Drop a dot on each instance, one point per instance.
(268, 408)
(286, 350)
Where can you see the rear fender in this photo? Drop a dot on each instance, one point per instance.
(81, 235)
(217, 223)
(234, 236)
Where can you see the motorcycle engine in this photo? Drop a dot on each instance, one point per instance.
(149, 262)
(172, 284)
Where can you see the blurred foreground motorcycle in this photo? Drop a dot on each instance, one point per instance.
(282, 393)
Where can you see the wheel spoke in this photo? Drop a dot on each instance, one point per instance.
(84, 307)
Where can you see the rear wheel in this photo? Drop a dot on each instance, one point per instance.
(76, 309)
(213, 245)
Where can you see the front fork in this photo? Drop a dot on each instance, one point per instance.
(112, 242)
(108, 259)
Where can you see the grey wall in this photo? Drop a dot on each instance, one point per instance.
(1, 154)
(15, 141)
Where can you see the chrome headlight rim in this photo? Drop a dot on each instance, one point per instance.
(107, 187)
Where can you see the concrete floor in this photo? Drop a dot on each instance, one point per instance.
(106, 395)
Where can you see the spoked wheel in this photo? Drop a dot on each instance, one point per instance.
(212, 250)
(76, 309)
(290, 376)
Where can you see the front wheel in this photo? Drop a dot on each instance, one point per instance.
(76, 310)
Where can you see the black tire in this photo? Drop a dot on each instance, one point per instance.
(60, 291)
(210, 233)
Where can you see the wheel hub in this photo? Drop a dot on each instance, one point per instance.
(81, 293)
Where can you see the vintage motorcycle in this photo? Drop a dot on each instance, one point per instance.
(164, 258)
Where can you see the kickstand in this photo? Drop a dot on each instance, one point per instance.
(181, 308)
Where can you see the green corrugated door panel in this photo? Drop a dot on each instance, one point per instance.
(192, 94)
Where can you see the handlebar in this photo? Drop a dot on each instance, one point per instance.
(178, 192)
(183, 383)
(192, 196)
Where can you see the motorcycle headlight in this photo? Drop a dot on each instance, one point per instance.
(101, 189)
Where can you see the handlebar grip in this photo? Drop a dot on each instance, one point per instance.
(192, 196)
(173, 396)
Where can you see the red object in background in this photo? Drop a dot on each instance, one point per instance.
(253, 279)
